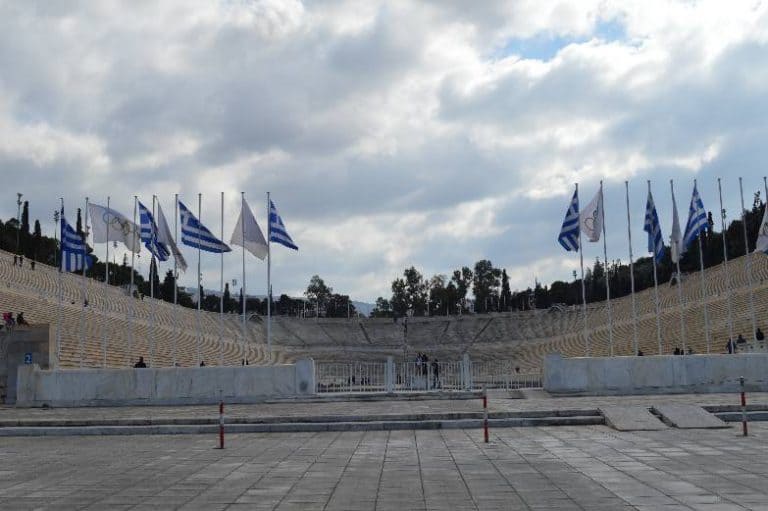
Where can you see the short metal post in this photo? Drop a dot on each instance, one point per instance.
(485, 414)
(743, 408)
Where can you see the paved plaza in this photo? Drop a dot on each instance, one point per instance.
(589, 467)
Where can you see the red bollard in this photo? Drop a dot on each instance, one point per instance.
(221, 424)
(485, 415)
(743, 408)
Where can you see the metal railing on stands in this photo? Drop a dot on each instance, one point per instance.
(361, 377)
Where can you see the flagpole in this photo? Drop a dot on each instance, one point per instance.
(221, 290)
(242, 285)
(199, 278)
(748, 255)
(131, 291)
(175, 277)
(703, 287)
(104, 308)
(583, 287)
(82, 309)
(656, 285)
(678, 254)
(269, 281)
(725, 262)
(61, 291)
(152, 273)
(607, 274)
(631, 273)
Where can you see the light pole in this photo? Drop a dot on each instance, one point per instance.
(18, 220)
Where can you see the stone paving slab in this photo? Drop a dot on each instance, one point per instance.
(631, 418)
(585, 468)
(689, 417)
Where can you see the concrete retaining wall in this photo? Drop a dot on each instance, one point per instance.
(655, 374)
(173, 385)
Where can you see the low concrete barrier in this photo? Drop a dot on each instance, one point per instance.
(670, 374)
(163, 386)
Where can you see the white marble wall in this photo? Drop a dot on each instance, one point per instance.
(668, 374)
(168, 385)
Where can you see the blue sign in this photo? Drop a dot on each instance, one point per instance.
(27, 358)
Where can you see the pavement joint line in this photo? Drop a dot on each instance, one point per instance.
(381, 470)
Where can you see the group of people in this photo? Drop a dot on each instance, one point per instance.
(10, 322)
(141, 364)
(733, 346)
(423, 366)
(18, 260)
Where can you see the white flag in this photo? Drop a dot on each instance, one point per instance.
(108, 225)
(676, 238)
(591, 218)
(247, 233)
(762, 236)
(164, 237)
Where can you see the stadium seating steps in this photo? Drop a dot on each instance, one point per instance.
(162, 332)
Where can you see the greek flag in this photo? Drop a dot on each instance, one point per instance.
(73, 254)
(277, 232)
(569, 233)
(697, 219)
(148, 230)
(653, 228)
(196, 235)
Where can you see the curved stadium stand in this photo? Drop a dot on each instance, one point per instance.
(524, 337)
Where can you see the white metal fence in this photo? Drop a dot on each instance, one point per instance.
(415, 376)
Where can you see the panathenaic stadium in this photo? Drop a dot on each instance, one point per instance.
(165, 334)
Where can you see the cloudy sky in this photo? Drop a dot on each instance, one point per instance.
(393, 133)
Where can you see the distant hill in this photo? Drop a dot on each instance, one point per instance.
(363, 307)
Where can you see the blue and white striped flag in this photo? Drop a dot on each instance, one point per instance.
(277, 231)
(196, 235)
(149, 234)
(653, 228)
(697, 219)
(569, 233)
(73, 254)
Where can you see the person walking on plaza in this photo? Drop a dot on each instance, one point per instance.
(759, 335)
(140, 364)
(730, 346)
(435, 374)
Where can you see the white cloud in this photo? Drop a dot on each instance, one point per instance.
(391, 134)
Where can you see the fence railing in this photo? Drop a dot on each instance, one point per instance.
(393, 376)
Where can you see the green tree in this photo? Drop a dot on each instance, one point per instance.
(37, 240)
(462, 279)
(166, 288)
(438, 298)
(24, 234)
(25, 218)
(227, 298)
(485, 285)
(318, 292)
(382, 309)
(79, 224)
(399, 300)
(506, 293)
(416, 291)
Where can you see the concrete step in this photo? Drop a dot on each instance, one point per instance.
(209, 425)
(214, 419)
(631, 418)
(688, 417)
